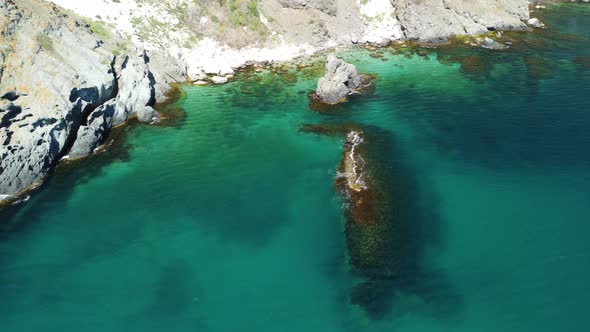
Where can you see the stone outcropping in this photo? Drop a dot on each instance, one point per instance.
(63, 86)
(65, 83)
(215, 38)
(437, 20)
(341, 80)
(375, 233)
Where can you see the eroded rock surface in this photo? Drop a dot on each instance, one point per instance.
(216, 37)
(63, 88)
(437, 20)
(374, 232)
(341, 80)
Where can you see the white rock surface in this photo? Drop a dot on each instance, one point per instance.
(292, 28)
(535, 23)
(340, 80)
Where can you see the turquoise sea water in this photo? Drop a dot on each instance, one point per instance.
(225, 217)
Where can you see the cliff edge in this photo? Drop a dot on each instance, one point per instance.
(63, 85)
(214, 36)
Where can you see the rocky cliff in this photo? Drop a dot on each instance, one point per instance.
(63, 85)
(204, 34)
(68, 76)
(436, 20)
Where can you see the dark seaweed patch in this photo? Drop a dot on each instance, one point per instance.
(386, 230)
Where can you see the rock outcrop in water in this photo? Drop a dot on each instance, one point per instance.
(372, 233)
(63, 86)
(341, 80)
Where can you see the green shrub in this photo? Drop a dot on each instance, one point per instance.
(45, 41)
(100, 29)
(253, 8)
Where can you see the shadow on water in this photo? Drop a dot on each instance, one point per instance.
(60, 184)
(416, 227)
(174, 297)
(390, 228)
(173, 294)
(260, 208)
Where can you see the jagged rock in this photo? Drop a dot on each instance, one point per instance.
(341, 80)
(136, 90)
(90, 136)
(62, 89)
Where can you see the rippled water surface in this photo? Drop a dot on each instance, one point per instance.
(225, 216)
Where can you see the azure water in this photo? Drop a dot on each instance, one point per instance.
(225, 216)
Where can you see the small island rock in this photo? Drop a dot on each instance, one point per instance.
(341, 80)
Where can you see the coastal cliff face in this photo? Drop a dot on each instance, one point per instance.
(67, 76)
(436, 20)
(63, 86)
(207, 34)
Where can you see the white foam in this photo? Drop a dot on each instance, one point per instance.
(22, 200)
(355, 139)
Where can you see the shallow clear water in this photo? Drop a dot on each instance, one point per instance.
(226, 218)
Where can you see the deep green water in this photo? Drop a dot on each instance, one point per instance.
(226, 218)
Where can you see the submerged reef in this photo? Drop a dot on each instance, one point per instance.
(369, 226)
(385, 227)
(370, 221)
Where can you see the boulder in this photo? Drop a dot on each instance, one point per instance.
(341, 79)
(535, 23)
(491, 44)
(219, 79)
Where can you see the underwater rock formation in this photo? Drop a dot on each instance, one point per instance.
(370, 225)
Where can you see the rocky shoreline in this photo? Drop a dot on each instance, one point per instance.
(66, 80)
(63, 86)
(280, 30)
